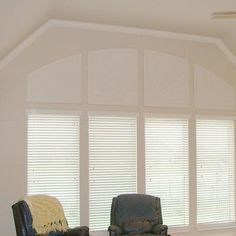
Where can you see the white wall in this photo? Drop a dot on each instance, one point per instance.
(146, 85)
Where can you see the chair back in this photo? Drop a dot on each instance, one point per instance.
(136, 207)
(39, 214)
(23, 219)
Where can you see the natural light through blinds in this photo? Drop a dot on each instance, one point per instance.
(53, 160)
(215, 171)
(112, 165)
(166, 153)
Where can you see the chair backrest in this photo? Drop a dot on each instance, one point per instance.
(39, 213)
(135, 207)
(23, 219)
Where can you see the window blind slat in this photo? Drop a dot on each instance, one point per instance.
(53, 160)
(112, 165)
(215, 171)
(166, 156)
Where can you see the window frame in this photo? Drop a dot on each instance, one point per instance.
(172, 117)
(119, 116)
(211, 225)
(70, 114)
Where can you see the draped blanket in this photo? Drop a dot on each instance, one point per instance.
(47, 214)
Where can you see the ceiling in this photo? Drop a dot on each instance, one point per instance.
(19, 18)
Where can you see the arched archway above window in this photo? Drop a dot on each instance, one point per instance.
(166, 80)
(57, 82)
(211, 91)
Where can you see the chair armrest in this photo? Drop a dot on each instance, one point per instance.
(159, 229)
(78, 231)
(115, 230)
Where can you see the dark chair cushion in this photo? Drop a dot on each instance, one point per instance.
(146, 234)
(137, 226)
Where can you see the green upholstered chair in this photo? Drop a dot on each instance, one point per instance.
(136, 215)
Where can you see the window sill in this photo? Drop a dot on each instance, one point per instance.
(216, 232)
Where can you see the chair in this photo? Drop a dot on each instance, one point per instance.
(43, 215)
(136, 214)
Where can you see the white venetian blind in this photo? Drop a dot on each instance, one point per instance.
(112, 165)
(166, 154)
(215, 171)
(53, 160)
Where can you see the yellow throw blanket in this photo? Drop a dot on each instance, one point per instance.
(47, 214)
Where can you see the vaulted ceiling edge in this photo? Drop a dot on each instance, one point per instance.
(111, 28)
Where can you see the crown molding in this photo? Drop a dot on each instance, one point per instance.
(115, 29)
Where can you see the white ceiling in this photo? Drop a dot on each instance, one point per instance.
(19, 18)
